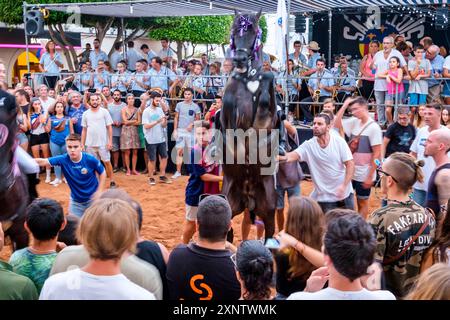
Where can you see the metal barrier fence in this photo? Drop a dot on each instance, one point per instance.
(215, 84)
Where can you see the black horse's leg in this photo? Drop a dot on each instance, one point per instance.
(230, 235)
(18, 234)
(269, 224)
(32, 182)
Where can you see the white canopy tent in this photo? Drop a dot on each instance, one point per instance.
(167, 8)
(164, 8)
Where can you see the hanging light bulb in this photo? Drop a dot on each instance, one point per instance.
(131, 8)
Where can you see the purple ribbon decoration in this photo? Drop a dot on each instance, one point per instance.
(244, 24)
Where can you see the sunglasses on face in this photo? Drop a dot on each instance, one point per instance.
(381, 173)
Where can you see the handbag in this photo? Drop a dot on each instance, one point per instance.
(353, 144)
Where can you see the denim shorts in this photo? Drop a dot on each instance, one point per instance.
(291, 192)
(446, 90)
(115, 144)
(417, 99)
(22, 138)
(78, 208)
(361, 192)
(390, 97)
(347, 203)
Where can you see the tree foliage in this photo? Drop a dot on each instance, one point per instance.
(199, 30)
(11, 13)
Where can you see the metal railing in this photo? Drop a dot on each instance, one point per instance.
(129, 83)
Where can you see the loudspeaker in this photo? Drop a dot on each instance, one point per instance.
(34, 23)
(300, 23)
(441, 22)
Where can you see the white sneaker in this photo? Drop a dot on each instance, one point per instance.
(48, 179)
(176, 175)
(55, 182)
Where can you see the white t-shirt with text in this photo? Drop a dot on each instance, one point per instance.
(156, 133)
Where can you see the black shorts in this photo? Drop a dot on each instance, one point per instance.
(37, 139)
(153, 149)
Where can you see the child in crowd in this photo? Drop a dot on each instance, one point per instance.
(395, 88)
(419, 69)
(203, 176)
(45, 219)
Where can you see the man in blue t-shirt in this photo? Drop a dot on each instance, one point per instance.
(80, 170)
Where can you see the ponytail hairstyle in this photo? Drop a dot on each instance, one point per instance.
(254, 263)
(406, 168)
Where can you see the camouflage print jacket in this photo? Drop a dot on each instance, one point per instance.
(395, 225)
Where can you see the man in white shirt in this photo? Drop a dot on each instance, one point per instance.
(432, 120)
(331, 165)
(347, 233)
(362, 128)
(46, 101)
(381, 64)
(96, 136)
(154, 122)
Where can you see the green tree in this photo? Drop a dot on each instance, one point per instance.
(11, 13)
(199, 30)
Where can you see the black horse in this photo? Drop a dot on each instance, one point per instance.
(14, 196)
(249, 104)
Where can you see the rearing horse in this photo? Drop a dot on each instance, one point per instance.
(13, 188)
(249, 104)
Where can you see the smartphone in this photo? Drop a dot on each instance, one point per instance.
(92, 90)
(272, 243)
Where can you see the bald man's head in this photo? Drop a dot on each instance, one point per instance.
(438, 142)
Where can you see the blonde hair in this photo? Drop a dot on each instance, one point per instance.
(108, 229)
(407, 169)
(433, 284)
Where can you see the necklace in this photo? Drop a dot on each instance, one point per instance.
(404, 203)
(34, 250)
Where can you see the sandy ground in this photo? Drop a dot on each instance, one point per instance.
(163, 206)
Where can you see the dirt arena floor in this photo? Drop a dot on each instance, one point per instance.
(163, 206)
